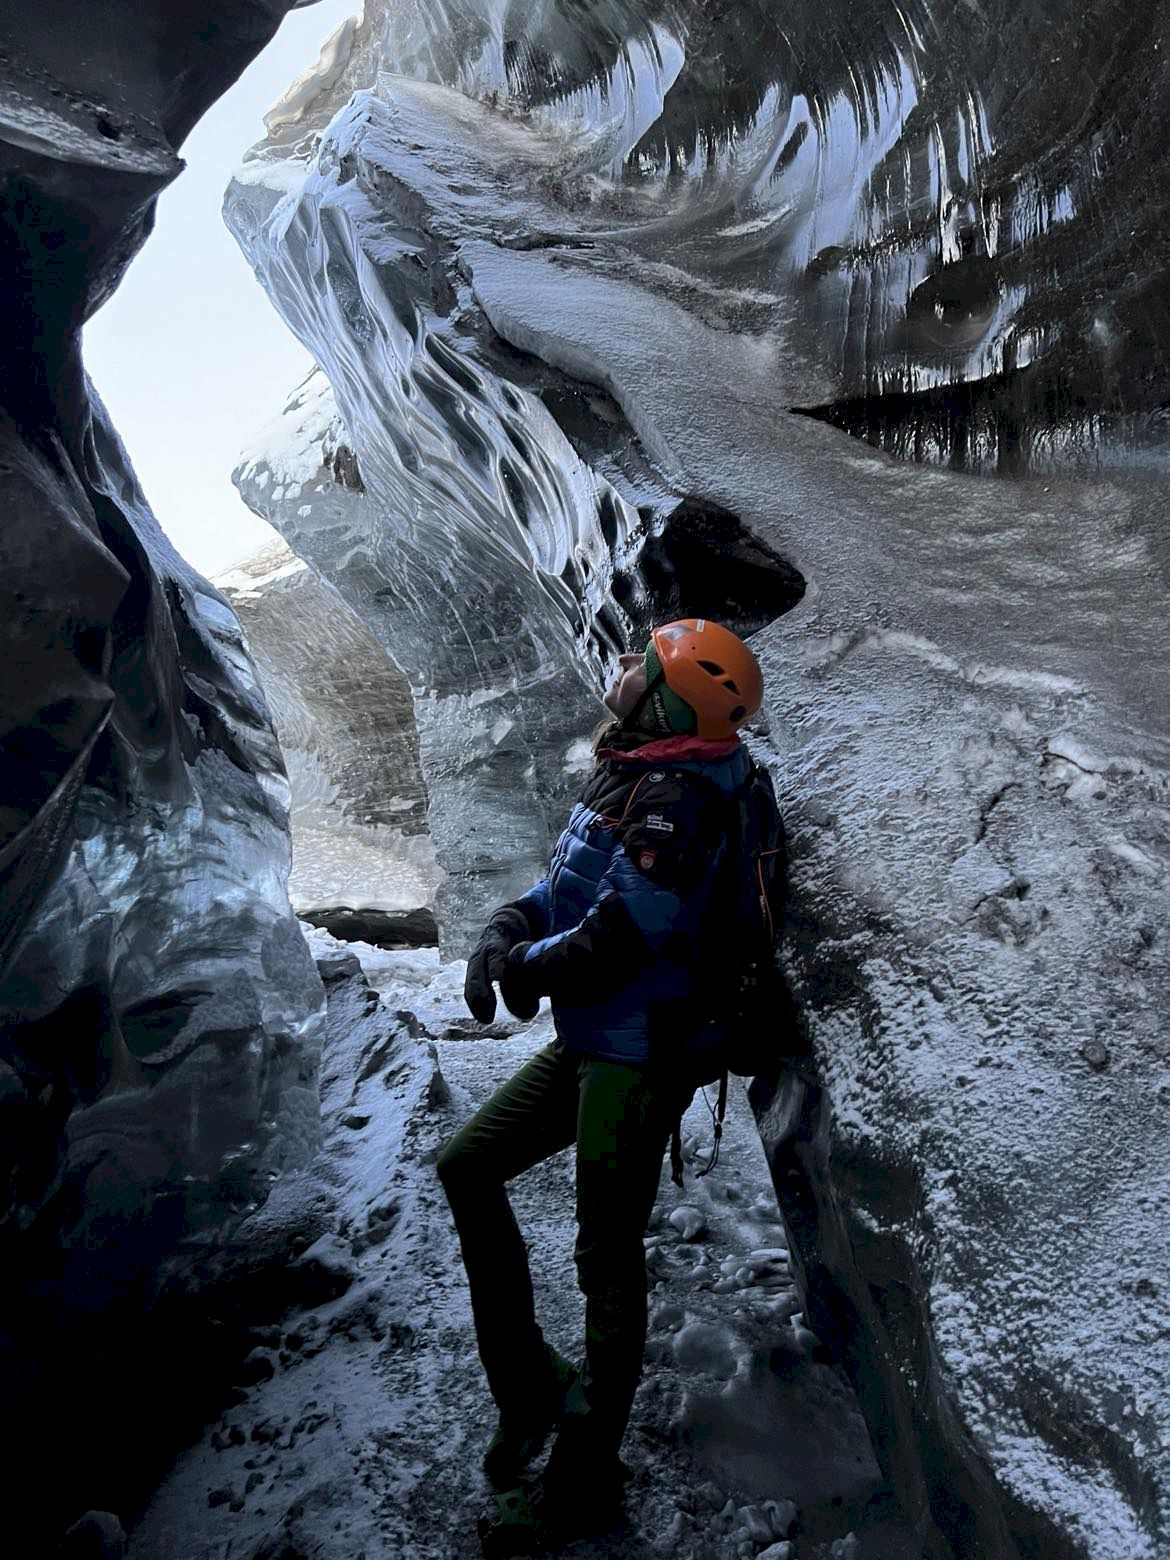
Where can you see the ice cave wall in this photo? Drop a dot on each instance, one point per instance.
(565, 274)
(458, 637)
(345, 720)
(159, 1014)
(496, 555)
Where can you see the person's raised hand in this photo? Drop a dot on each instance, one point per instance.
(487, 959)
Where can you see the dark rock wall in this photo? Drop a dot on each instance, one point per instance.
(159, 1012)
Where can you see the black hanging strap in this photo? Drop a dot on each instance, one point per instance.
(720, 1112)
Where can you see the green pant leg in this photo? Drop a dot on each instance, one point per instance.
(526, 1120)
(623, 1125)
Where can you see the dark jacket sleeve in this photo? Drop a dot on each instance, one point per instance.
(667, 839)
(533, 906)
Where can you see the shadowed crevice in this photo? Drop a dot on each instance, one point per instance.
(704, 562)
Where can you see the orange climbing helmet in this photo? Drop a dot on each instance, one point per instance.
(713, 671)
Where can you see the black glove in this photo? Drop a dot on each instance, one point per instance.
(519, 984)
(485, 964)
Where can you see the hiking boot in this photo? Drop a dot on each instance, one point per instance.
(523, 1431)
(586, 1507)
(581, 1495)
(517, 1530)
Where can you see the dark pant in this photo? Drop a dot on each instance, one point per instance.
(620, 1118)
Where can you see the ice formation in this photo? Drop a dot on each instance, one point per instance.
(460, 522)
(566, 271)
(345, 720)
(160, 1018)
(567, 274)
(362, 1408)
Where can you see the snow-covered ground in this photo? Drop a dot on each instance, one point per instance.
(359, 1423)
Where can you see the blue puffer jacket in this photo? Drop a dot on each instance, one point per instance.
(618, 921)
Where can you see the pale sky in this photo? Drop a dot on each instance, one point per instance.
(189, 355)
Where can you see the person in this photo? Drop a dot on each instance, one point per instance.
(618, 937)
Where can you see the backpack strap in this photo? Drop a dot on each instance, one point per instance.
(733, 800)
(717, 1115)
(715, 790)
(603, 821)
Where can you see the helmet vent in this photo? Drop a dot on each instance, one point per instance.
(717, 671)
(738, 712)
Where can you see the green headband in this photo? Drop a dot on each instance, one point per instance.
(660, 704)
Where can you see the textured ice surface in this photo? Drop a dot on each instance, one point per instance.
(966, 711)
(159, 1016)
(435, 487)
(468, 652)
(157, 967)
(971, 937)
(950, 215)
(344, 717)
(365, 1433)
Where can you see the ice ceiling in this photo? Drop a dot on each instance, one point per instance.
(954, 214)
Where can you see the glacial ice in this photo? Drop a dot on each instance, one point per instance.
(566, 270)
(345, 720)
(446, 463)
(537, 357)
(924, 205)
(160, 1018)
